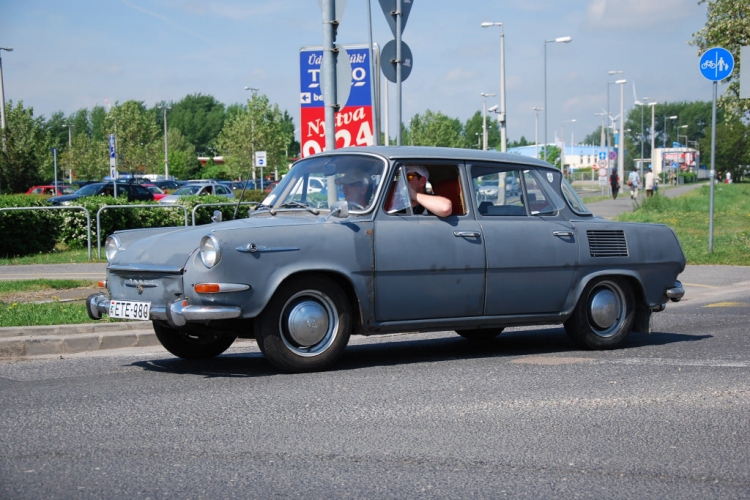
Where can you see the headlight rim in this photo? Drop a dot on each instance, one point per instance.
(216, 251)
(112, 245)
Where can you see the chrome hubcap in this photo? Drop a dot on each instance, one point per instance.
(309, 323)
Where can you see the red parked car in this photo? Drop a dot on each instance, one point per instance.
(158, 192)
(50, 190)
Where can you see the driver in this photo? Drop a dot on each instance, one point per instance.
(356, 187)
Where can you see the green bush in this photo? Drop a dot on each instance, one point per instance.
(26, 232)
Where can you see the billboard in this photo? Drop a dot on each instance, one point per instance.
(354, 122)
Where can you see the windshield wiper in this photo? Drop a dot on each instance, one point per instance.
(297, 204)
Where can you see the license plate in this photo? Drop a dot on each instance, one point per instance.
(129, 309)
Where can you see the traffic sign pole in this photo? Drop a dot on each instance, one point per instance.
(716, 64)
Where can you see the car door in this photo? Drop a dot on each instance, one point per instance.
(426, 266)
(532, 252)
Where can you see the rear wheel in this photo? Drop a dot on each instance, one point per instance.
(306, 325)
(480, 334)
(194, 347)
(604, 314)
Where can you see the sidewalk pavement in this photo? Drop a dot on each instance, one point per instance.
(25, 342)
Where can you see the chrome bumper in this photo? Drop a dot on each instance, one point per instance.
(676, 292)
(176, 313)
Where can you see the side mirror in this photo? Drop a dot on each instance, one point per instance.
(216, 217)
(339, 209)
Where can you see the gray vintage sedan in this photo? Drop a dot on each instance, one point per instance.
(310, 267)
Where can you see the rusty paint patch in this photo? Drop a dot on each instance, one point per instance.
(727, 304)
(550, 360)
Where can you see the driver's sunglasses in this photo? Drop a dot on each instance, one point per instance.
(412, 175)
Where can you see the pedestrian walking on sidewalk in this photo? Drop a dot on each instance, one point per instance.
(634, 182)
(614, 183)
(651, 183)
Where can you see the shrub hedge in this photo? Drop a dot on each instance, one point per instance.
(25, 232)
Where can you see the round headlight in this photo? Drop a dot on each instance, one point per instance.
(210, 251)
(111, 247)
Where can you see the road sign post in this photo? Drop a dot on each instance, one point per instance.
(716, 64)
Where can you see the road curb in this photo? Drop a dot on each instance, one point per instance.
(22, 342)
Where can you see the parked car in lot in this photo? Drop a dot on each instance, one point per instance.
(155, 190)
(198, 189)
(131, 191)
(51, 189)
(306, 270)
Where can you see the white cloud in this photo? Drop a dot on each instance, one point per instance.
(636, 14)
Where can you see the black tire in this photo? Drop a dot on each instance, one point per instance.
(480, 334)
(193, 347)
(604, 315)
(306, 325)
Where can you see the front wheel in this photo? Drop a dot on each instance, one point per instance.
(306, 325)
(604, 314)
(193, 347)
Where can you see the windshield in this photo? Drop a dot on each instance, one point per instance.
(89, 189)
(319, 181)
(188, 190)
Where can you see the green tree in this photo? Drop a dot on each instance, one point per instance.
(258, 128)
(732, 152)
(139, 143)
(727, 26)
(26, 149)
(200, 118)
(474, 129)
(435, 129)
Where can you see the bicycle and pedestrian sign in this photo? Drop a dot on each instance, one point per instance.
(717, 64)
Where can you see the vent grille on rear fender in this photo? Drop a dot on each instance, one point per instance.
(607, 243)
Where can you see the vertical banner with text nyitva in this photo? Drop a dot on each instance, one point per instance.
(354, 122)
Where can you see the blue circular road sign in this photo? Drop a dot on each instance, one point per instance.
(716, 64)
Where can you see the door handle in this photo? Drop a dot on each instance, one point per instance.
(466, 234)
(563, 234)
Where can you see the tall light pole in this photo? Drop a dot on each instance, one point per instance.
(673, 117)
(561, 39)
(621, 135)
(2, 96)
(501, 114)
(536, 130)
(70, 144)
(643, 136)
(562, 151)
(609, 115)
(164, 109)
(678, 134)
(484, 120)
(254, 90)
(653, 134)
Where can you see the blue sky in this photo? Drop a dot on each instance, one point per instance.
(80, 53)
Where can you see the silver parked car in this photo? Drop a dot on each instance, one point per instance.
(308, 268)
(198, 189)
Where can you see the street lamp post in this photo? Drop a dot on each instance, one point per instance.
(562, 151)
(484, 119)
(643, 136)
(609, 115)
(70, 142)
(536, 130)
(501, 114)
(621, 135)
(254, 90)
(164, 109)
(2, 96)
(653, 135)
(674, 117)
(684, 135)
(561, 39)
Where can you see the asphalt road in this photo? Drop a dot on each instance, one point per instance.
(402, 416)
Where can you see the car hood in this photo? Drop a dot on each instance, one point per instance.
(168, 249)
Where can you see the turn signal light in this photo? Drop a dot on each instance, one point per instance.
(207, 288)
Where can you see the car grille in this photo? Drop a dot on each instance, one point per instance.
(607, 243)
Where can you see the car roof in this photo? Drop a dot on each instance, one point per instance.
(395, 153)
